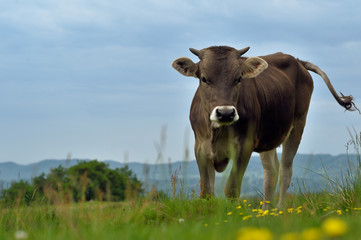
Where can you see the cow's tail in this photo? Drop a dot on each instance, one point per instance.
(344, 101)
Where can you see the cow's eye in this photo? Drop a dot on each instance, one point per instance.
(203, 79)
(239, 80)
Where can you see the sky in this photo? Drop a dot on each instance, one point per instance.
(92, 79)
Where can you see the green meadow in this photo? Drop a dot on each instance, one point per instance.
(332, 214)
(317, 217)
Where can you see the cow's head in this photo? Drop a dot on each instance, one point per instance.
(220, 72)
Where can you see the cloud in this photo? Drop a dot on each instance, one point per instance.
(99, 65)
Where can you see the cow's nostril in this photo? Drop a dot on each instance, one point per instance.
(218, 113)
(233, 113)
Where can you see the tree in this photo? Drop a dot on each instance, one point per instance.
(88, 180)
(21, 192)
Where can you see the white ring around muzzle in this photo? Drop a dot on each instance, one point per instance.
(215, 120)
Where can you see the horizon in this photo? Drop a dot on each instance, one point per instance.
(254, 155)
(94, 80)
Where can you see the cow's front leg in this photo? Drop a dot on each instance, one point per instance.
(206, 169)
(234, 182)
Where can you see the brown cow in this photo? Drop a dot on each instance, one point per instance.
(245, 105)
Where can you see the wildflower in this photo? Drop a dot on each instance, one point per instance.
(181, 220)
(265, 202)
(206, 224)
(290, 236)
(280, 212)
(20, 234)
(238, 207)
(334, 227)
(290, 210)
(339, 212)
(229, 213)
(244, 200)
(245, 218)
(265, 213)
(254, 234)
(312, 234)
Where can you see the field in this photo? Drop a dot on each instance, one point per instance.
(315, 216)
(334, 214)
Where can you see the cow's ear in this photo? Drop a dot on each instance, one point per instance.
(185, 66)
(253, 66)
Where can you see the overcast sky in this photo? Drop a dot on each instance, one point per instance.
(92, 79)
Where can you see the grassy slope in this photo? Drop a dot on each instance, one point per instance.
(173, 219)
(306, 216)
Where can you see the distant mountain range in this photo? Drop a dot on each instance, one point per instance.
(309, 171)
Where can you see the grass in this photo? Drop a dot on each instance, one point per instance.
(313, 216)
(177, 219)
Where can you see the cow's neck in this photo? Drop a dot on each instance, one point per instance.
(222, 135)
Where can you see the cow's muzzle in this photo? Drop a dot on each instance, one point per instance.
(223, 115)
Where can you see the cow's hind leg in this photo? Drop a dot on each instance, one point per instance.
(290, 147)
(270, 175)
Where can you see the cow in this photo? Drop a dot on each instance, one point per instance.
(245, 105)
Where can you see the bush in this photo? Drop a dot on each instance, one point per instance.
(85, 181)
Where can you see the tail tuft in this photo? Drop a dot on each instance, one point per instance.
(344, 101)
(348, 103)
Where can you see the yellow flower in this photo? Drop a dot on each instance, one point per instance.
(229, 213)
(312, 234)
(334, 227)
(206, 224)
(265, 212)
(339, 212)
(245, 218)
(290, 236)
(254, 234)
(238, 207)
(290, 210)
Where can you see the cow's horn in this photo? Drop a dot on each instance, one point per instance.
(195, 51)
(243, 51)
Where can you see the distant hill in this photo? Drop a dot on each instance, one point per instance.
(308, 171)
